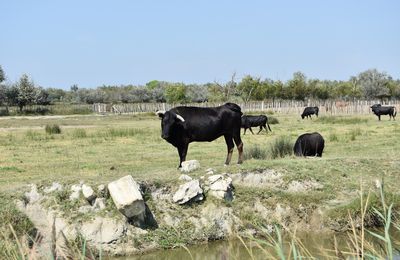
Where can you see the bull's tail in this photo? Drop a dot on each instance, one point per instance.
(234, 107)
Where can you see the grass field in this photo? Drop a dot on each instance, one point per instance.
(102, 148)
(97, 149)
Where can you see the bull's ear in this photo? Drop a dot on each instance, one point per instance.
(160, 113)
(180, 118)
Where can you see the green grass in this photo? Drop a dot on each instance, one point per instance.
(98, 149)
(52, 129)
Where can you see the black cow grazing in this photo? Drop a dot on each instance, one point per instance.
(183, 125)
(253, 121)
(379, 110)
(309, 144)
(308, 111)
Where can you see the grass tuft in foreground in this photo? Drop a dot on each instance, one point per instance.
(52, 129)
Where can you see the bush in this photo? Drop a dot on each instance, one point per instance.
(333, 137)
(273, 120)
(52, 129)
(255, 152)
(281, 147)
(79, 133)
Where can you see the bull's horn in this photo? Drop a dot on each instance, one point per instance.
(180, 118)
(160, 113)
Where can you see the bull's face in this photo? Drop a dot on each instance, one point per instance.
(169, 122)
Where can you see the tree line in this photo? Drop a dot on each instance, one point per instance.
(370, 84)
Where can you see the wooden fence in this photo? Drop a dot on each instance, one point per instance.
(330, 107)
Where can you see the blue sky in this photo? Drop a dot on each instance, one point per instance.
(91, 43)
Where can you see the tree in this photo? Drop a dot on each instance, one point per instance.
(175, 93)
(42, 97)
(247, 87)
(197, 93)
(2, 75)
(297, 87)
(374, 84)
(26, 92)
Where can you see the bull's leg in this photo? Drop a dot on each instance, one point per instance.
(260, 130)
(379, 116)
(251, 131)
(230, 145)
(182, 150)
(244, 131)
(239, 145)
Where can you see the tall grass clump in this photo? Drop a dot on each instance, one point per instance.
(341, 120)
(256, 152)
(354, 133)
(281, 147)
(121, 132)
(359, 242)
(333, 137)
(52, 129)
(32, 135)
(273, 120)
(79, 133)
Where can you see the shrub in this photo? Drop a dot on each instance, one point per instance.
(333, 137)
(79, 133)
(255, 152)
(281, 147)
(341, 120)
(273, 120)
(52, 129)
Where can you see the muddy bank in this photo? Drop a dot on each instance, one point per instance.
(127, 216)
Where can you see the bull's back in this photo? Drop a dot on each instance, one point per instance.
(207, 124)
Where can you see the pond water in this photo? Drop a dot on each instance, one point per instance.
(235, 249)
(313, 243)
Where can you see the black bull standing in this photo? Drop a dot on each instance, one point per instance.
(253, 121)
(183, 125)
(379, 110)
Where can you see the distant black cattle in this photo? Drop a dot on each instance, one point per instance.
(253, 121)
(183, 125)
(308, 111)
(309, 144)
(379, 110)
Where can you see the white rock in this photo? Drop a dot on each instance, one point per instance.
(33, 195)
(85, 209)
(191, 165)
(185, 177)
(54, 187)
(190, 191)
(99, 204)
(126, 195)
(76, 191)
(88, 193)
(102, 191)
(210, 171)
(103, 230)
(220, 187)
(68, 230)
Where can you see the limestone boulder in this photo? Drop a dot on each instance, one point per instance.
(220, 186)
(33, 195)
(189, 166)
(101, 231)
(125, 193)
(75, 192)
(185, 177)
(188, 192)
(88, 193)
(54, 187)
